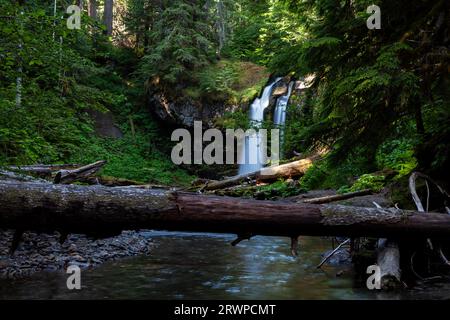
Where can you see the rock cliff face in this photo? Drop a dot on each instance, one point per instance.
(184, 112)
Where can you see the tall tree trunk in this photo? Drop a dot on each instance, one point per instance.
(419, 119)
(80, 4)
(19, 80)
(221, 25)
(108, 16)
(146, 27)
(93, 9)
(19, 65)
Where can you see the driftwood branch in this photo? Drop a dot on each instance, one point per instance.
(419, 205)
(333, 253)
(294, 245)
(413, 189)
(338, 197)
(240, 238)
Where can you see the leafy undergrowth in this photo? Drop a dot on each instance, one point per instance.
(398, 154)
(132, 158)
(279, 189)
(276, 190)
(367, 181)
(357, 172)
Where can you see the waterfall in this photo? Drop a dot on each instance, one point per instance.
(279, 116)
(254, 157)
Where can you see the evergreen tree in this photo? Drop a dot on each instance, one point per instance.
(180, 41)
(372, 84)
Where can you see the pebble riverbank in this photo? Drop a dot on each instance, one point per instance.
(43, 252)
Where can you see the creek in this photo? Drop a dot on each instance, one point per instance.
(206, 266)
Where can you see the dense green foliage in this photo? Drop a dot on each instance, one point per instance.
(178, 39)
(377, 93)
(65, 73)
(379, 98)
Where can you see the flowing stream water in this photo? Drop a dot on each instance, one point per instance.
(206, 266)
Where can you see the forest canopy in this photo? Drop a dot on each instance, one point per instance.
(380, 98)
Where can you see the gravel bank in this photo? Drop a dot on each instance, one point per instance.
(43, 252)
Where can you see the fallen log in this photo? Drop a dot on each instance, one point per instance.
(102, 210)
(69, 176)
(338, 197)
(110, 181)
(43, 170)
(16, 176)
(288, 170)
(388, 260)
(61, 173)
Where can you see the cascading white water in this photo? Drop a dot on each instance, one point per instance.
(253, 154)
(279, 116)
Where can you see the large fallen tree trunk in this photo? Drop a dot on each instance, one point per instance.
(288, 170)
(101, 210)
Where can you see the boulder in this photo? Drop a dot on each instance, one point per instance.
(280, 89)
